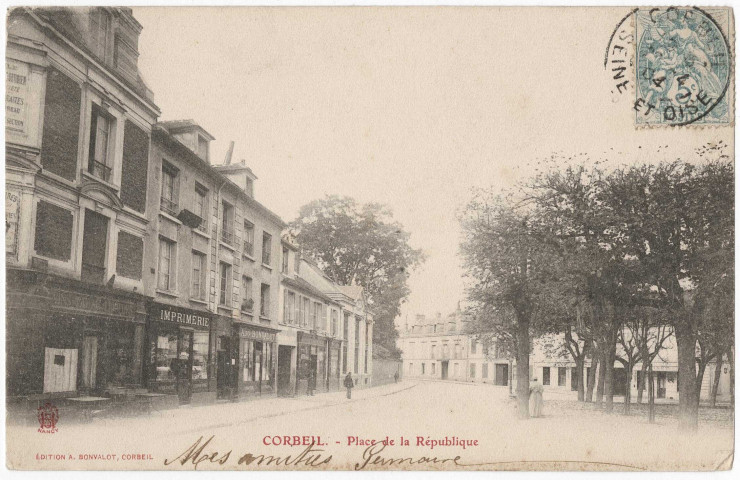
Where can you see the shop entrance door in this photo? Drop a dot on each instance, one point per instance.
(224, 375)
(284, 358)
(445, 369)
(184, 373)
(258, 358)
(313, 366)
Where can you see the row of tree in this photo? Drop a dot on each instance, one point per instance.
(616, 260)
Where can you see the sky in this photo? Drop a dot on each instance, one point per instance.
(410, 107)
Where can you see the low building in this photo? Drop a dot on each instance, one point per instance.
(555, 369)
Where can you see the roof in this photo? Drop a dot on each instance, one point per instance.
(352, 291)
(176, 126)
(235, 168)
(301, 284)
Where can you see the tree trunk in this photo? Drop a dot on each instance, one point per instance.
(732, 376)
(591, 378)
(641, 380)
(688, 412)
(522, 368)
(579, 376)
(602, 376)
(628, 392)
(699, 380)
(511, 377)
(715, 384)
(609, 377)
(651, 395)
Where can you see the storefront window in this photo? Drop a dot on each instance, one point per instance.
(200, 356)
(165, 360)
(256, 361)
(266, 362)
(247, 349)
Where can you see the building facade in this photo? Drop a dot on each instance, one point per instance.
(444, 349)
(135, 263)
(557, 372)
(325, 329)
(78, 127)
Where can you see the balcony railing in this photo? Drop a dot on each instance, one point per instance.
(168, 206)
(227, 236)
(249, 249)
(100, 170)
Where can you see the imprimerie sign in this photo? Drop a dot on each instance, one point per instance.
(180, 316)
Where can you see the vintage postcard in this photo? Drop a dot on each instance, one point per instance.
(370, 238)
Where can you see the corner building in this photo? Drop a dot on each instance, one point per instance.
(78, 126)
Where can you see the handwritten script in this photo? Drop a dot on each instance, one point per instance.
(202, 453)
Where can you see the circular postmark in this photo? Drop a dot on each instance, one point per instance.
(682, 66)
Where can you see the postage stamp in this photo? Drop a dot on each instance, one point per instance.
(683, 66)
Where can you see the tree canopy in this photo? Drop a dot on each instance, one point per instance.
(361, 245)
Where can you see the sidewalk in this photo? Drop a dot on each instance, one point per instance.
(198, 418)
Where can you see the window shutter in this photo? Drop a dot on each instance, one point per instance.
(60, 138)
(135, 167)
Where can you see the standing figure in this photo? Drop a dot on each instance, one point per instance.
(395, 377)
(348, 384)
(311, 382)
(535, 398)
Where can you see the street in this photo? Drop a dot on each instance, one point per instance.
(427, 414)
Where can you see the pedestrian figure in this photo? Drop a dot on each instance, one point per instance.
(535, 398)
(311, 383)
(395, 377)
(348, 384)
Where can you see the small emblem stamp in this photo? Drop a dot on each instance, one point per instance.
(48, 416)
(683, 66)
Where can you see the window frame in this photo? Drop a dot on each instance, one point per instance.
(203, 259)
(169, 204)
(171, 279)
(266, 252)
(224, 284)
(108, 166)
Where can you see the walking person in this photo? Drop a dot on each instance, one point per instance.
(535, 398)
(348, 384)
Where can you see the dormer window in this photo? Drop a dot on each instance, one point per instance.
(100, 27)
(249, 187)
(202, 147)
(100, 160)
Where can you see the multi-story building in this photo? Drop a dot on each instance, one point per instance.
(443, 348)
(245, 281)
(78, 125)
(180, 323)
(326, 330)
(133, 262)
(212, 320)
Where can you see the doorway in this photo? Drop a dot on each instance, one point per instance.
(501, 376)
(184, 366)
(445, 369)
(224, 369)
(661, 384)
(285, 354)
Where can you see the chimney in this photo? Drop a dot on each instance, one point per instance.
(227, 160)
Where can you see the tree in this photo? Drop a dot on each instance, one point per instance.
(509, 262)
(361, 245)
